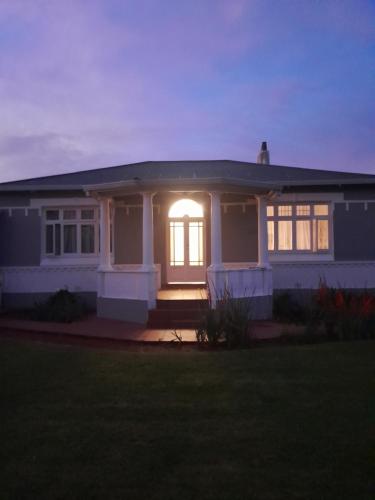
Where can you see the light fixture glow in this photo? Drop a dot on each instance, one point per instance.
(185, 207)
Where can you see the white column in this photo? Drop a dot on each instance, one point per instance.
(105, 235)
(263, 260)
(148, 233)
(216, 251)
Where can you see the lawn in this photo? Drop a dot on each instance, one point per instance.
(268, 423)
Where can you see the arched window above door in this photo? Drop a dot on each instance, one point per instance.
(185, 207)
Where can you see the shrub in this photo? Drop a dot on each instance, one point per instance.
(344, 314)
(62, 307)
(228, 324)
(210, 328)
(285, 308)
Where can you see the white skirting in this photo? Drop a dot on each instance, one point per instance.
(48, 279)
(307, 275)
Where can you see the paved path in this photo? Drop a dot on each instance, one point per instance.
(100, 328)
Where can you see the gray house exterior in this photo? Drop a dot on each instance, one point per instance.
(118, 235)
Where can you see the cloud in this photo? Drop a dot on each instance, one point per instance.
(90, 84)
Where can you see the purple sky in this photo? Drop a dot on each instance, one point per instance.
(93, 83)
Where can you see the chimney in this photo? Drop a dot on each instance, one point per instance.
(264, 154)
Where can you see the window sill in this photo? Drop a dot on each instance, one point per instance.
(69, 260)
(290, 256)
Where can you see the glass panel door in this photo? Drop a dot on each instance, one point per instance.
(186, 261)
(196, 243)
(177, 243)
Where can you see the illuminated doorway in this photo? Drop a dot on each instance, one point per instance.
(186, 242)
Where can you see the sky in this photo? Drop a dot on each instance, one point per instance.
(94, 83)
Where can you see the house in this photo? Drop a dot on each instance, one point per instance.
(118, 235)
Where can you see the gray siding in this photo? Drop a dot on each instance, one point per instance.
(128, 235)
(354, 231)
(20, 238)
(14, 200)
(240, 234)
(362, 193)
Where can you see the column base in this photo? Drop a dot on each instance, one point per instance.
(149, 268)
(264, 266)
(105, 268)
(216, 267)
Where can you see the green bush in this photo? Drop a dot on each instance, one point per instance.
(62, 307)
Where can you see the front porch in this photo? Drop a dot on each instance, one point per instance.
(137, 266)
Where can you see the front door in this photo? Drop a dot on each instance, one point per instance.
(186, 245)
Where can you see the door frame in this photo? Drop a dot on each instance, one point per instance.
(186, 221)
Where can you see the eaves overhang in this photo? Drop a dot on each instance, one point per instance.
(180, 184)
(39, 187)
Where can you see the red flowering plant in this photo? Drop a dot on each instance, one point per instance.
(346, 314)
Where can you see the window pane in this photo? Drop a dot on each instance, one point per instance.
(177, 241)
(52, 215)
(285, 229)
(196, 243)
(271, 235)
(49, 238)
(285, 210)
(87, 238)
(57, 239)
(303, 209)
(321, 209)
(88, 214)
(270, 211)
(69, 214)
(303, 228)
(323, 238)
(70, 238)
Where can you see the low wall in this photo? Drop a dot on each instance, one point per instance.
(307, 275)
(253, 284)
(130, 282)
(23, 286)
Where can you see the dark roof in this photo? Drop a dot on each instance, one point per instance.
(194, 170)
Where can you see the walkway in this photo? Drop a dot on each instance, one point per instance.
(108, 329)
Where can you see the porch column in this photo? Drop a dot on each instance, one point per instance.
(216, 251)
(263, 260)
(105, 235)
(148, 233)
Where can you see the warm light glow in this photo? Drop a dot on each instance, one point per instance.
(196, 243)
(187, 207)
(177, 238)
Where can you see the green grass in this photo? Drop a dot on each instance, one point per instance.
(268, 423)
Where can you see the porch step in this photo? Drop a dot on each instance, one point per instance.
(184, 286)
(183, 304)
(176, 314)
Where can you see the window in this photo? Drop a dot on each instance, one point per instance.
(196, 243)
(71, 231)
(177, 243)
(298, 227)
(185, 207)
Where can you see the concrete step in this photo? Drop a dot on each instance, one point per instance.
(174, 318)
(187, 304)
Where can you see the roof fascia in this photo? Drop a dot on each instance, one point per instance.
(177, 184)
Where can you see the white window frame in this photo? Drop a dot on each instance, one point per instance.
(70, 258)
(294, 254)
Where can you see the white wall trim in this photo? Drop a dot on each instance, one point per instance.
(48, 279)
